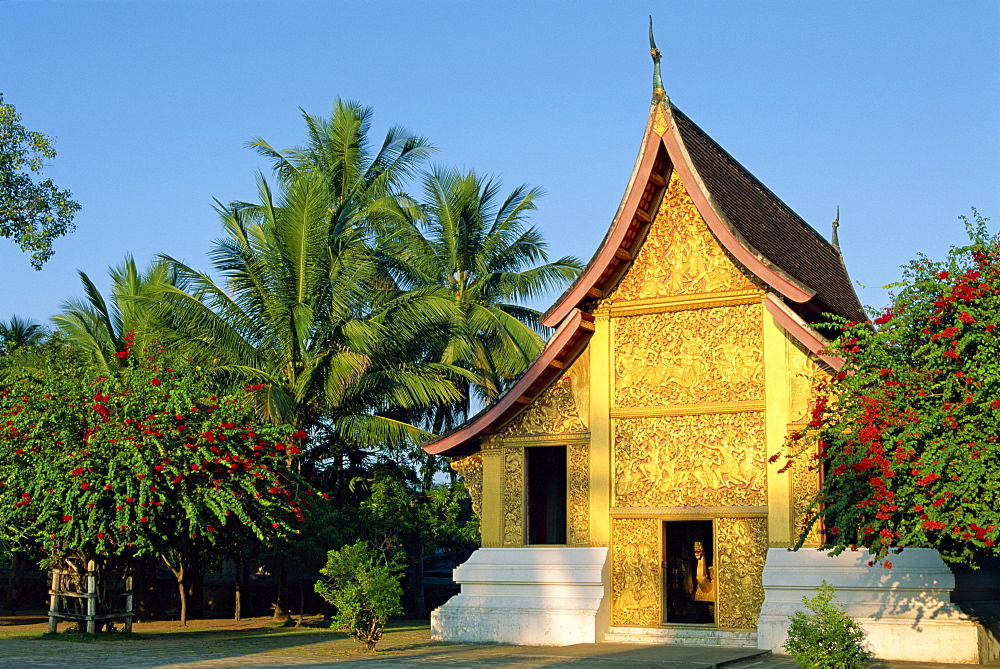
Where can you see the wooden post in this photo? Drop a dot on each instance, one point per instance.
(91, 598)
(54, 602)
(128, 604)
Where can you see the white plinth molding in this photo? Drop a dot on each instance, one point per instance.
(546, 596)
(906, 612)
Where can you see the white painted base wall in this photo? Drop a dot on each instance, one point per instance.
(545, 596)
(906, 612)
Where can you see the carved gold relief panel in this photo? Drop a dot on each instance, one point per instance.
(470, 468)
(680, 255)
(553, 412)
(635, 572)
(803, 374)
(578, 494)
(513, 497)
(742, 549)
(689, 357)
(805, 484)
(703, 460)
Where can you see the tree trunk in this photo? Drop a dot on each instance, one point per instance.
(14, 582)
(281, 597)
(413, 592)
(238, 604)
(177, 568)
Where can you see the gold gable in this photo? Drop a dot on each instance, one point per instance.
(679, 256)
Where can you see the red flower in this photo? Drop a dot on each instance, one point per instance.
(144, 520)
(301, 434)
(155, 382)
(66, 519)
(121, 355)
(100, 535)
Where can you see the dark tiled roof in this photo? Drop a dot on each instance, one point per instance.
(774, 230)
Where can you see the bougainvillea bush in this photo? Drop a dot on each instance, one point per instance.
(151, 460)
(907, 432)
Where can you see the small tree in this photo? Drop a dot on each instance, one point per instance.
(364, 587)
(827, 638)
(147, 461)
(32, 214)
(908, 432)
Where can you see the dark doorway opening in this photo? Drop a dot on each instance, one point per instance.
(689, 572)
(545, 469)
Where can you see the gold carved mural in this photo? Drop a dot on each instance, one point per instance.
(805, 484)
(803, 374)
(680, 255)
(689, 357)
(470, 468)
(635, 572)
(553, 412)
(703, 460)
(578, 494)
(513, 497)
(742, 549)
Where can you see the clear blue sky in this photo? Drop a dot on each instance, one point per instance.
(888, 109)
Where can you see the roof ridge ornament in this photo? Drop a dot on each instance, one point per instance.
(659, 94)
(834, 239)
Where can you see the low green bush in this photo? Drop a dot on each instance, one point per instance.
(363, 585)
(827, 638)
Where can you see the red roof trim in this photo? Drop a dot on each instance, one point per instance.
(617, 236)
(799, 329)
(565, 345)
(721, 227)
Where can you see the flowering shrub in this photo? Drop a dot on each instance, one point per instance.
(907, 432)
(141, 462)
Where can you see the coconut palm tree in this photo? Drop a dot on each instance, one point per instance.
(302, 313)
(98, 326)
(18, 333)
(470, 245)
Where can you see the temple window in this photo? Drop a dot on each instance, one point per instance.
(545, 494)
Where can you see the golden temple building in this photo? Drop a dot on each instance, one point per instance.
(623, 483)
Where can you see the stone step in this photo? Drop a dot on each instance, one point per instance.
(683, 636)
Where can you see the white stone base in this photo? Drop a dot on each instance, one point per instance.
(546, 596)
(906, 612)
(683, 635)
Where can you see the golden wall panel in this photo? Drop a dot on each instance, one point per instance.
(680, 255)
(805, 485)
(578, 494)
(513, 497)
(803, 375)
(742, 549)
(553, 412)
(703, 460)
(636, 581)
(687, 357)
(470, 468)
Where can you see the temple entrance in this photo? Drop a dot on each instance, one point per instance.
(689, 572)
(545, 484)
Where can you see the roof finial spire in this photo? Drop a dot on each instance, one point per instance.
(834, 239)
(659, 95)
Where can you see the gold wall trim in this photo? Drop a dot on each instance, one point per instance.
(688, 512)
(656, 305)
(689, 409)
(547, 440)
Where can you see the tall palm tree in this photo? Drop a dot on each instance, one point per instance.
(470, 245)
(98, 326)
(302, 311)
(18, 333)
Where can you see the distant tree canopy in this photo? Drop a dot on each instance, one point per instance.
(32, 213)
(908, 432)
